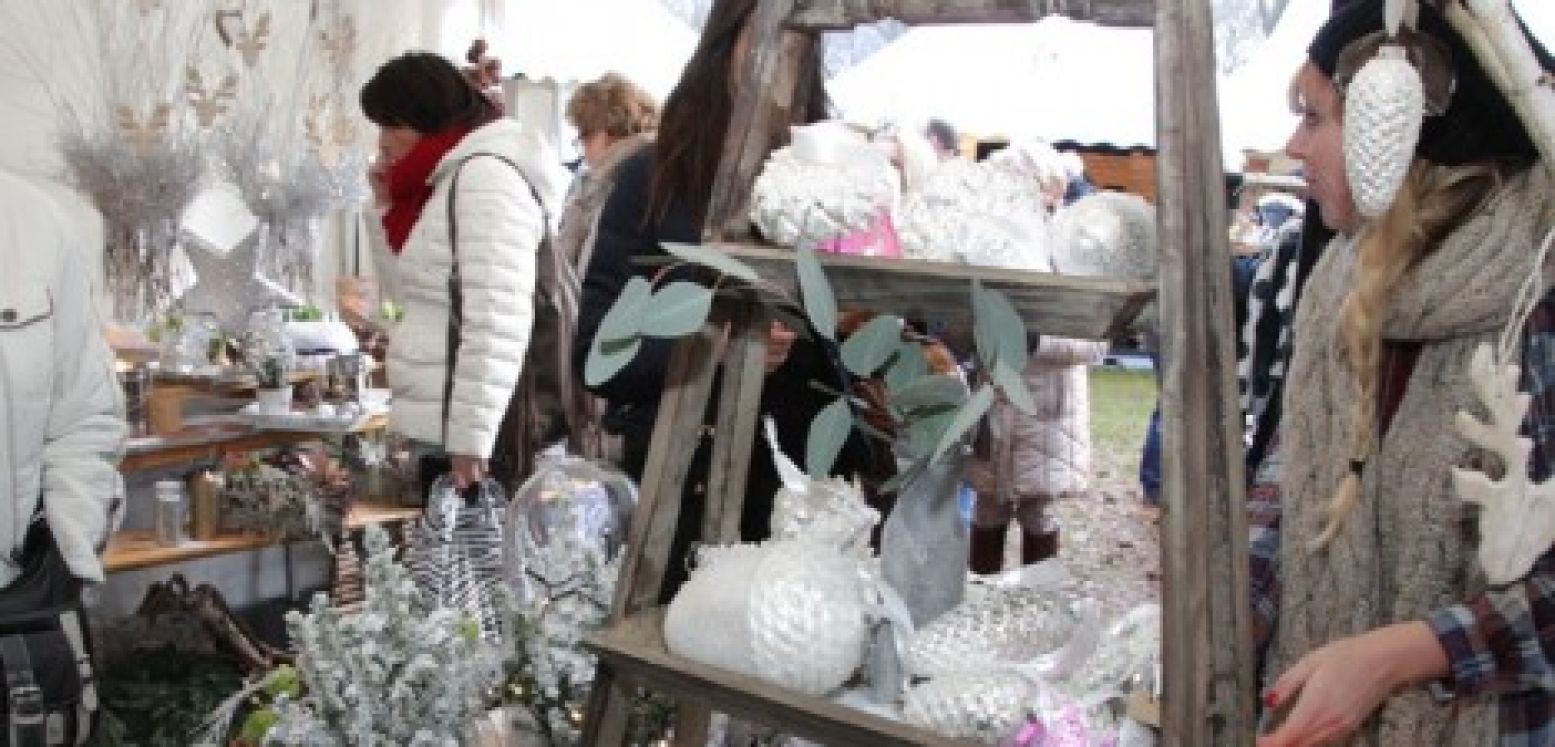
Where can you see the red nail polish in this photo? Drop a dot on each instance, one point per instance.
(1270, 700)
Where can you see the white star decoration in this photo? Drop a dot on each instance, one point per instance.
(1517, 515)
(229, 285)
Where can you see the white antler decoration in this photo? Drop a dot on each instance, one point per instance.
(1517, 516)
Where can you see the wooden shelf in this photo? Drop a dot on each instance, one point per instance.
(132, 549)
(635, 649)
(369, 513)
(207, 439)
(1083, 308)
(137, 548)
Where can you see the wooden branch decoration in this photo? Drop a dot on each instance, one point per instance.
(1491, 30)
(832, 15)
(1517, 516)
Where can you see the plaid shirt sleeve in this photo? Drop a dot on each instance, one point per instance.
(1503, 641)
(1263, 525)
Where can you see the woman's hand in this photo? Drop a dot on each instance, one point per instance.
(1337, 687)
(466, 470)
(780, 339)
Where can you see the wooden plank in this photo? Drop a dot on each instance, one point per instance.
(1208, 658)
(688, 385)
(206, 442)
(834, 15)
(636, 645)
(744, 373)
(1084, 308)
(133, 549)
(780, 60)
(368, 513)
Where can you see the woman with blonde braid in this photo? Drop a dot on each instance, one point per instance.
(1387, 631)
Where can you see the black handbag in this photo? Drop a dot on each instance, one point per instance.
(49, 694)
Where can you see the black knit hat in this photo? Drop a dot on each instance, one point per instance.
(1478, 124)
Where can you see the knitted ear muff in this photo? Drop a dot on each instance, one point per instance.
(1384, 107)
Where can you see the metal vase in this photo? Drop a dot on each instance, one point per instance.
(923, 548)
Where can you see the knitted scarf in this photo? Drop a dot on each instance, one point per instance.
(410, 183)
(1408, 548)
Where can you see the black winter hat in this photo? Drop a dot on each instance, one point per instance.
(1478, 124)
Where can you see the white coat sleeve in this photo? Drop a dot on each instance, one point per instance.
(500, 229)
(82, 490)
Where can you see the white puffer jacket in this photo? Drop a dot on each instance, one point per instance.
(61, 423)
(500, 228)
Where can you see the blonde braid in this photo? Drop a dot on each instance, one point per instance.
(1432, 200)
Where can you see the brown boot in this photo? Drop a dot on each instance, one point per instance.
(1036, 547)
(987, 556)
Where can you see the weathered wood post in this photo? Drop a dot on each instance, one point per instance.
(1208, 659)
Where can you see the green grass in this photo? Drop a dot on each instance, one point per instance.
(1121, 402)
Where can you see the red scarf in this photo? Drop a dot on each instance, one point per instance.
(410, 186)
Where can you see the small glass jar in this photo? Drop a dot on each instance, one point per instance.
(168, 516)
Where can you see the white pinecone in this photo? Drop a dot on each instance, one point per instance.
(1384, 108)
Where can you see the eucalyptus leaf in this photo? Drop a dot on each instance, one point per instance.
(965, 418)
(677, 310)
(1014, 387)
(624, 319)
(997, 328)
(868, 348)
(819, 301)
(907, 366)
(828, 432)
(606, 359)
(714, 258)
(924, 429)
(938, 389)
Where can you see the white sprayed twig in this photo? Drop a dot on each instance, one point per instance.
(1491, 30)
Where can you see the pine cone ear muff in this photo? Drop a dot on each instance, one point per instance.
(1384, 107)
(1403, 76)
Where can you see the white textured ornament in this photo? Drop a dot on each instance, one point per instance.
(1384, 109)
(1107, 234)
(822, 187)
(1516, 515)
(987, 706)
(976, 213)
(996, 627)
(786, 612)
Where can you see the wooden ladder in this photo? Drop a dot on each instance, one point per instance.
(1208, 659)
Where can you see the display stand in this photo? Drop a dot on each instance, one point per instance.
(1208, 698)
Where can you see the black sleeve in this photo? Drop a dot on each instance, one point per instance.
(621, 236)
